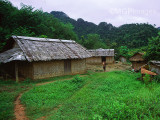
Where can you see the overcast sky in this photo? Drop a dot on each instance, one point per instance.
(116, 12)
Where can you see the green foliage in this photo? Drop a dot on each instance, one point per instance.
(30, 22)
(146, 79)
(20, 31)
(157, 78)
(43, 36)
(77, 79)
(93, 41)
(124, 51)
(153, 51)
(130, 35)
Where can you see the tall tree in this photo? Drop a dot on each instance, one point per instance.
(153, 51)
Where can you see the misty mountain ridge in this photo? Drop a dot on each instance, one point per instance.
(82, 27)
(132, 35)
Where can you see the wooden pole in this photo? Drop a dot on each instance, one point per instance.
(16, 71)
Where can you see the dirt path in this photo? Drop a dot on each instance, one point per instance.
(19, 109)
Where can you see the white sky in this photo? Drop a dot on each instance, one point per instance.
(116, 12)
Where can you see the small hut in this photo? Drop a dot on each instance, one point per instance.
(144, 71)
(123, 59)
(38, 58)
(101, 55)
(155, 66)
(137, 61)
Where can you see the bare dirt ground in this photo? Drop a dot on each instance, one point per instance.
(110, 67)
(19, 109)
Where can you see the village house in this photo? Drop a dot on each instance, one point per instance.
(38, 58)
(137, 61)
(123, 59)
(155, 66)
(100, 55)
(145, 71)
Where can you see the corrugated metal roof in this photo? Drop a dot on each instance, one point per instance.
(45, 49)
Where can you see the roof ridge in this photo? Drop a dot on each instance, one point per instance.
(42, 39)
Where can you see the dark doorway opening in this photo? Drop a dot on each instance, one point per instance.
(103, 59)
(67, 66)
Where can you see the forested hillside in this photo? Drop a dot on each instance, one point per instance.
(27, 21)
(131, 35)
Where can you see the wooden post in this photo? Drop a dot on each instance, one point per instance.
(16, 72)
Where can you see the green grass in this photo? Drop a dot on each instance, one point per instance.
(9, 90)
(112, 95)
(42, 100)
(98, 96)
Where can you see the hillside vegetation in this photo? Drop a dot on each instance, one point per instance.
(132, 35)
(28, 21)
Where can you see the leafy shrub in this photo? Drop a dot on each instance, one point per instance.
(157, 78)
(78, 80)
(146, 79)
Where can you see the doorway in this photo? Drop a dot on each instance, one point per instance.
(67, 66)
(103, 59)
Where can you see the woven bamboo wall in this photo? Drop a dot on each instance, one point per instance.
(94, 60)
(25, 69)
(78, 66)
(109, 59)
(48, 69)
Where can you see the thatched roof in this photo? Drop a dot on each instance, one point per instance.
(144, 71)
(42, 49)
(137, 57)
(157, 63)
(102, 52)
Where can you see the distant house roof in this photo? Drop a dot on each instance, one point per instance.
(137, 57)
(42, 49)
(102, 52)
(144, 71)
(157, 63)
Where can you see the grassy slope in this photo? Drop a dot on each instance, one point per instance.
(9, 90)
(112, 95)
